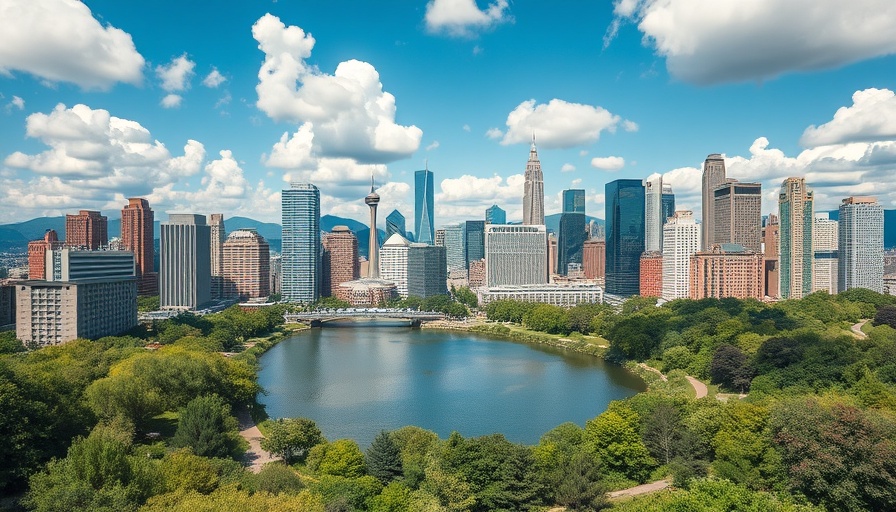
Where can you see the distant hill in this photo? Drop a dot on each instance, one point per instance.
(269, 230)
(35, 228)
(328, 222)
(552, 222)
(12, 241)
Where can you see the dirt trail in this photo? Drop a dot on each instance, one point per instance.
(255, 457)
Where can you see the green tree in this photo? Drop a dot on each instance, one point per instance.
(547, 318)
(277, 478)
(395, 497)
(291, 438)
(636, 336)
(181, 470)
(614, 438)
(384, 458)
(730, 367)
(886, 315)
(342, 458)
(580, 487)
(206, 426)
(414, 444)
(743, 447)
(451, 490)
(9, 344)
(145, 304)
(465, 296)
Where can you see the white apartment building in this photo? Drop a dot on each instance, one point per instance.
(394, 263)
(515, 255)
(681, 240)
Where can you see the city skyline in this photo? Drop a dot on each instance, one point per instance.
(190, 126)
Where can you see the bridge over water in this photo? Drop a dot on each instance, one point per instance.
(316, 318)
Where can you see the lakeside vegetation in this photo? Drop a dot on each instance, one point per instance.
(111, 425)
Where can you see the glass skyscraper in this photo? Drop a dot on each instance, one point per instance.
(454, 247)
(301, 243)
(474, 241)
(861, 244)
(668, 202)
(625, 236)
(795, 208)
(395, 223)
(424, 228)
(495, 215)
(572, 237)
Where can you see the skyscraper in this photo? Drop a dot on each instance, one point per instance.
(137, 221)
(515, 255)
(668, 202)
(300, 260)
(533, 194)
(394, 263)
(395, 223)
(455, 252)
(474, 241)
(824, 248)
(572, 231)
(246, 265)
(340, 259)
(427, 275)
(86, 230)
(795, 206)
(653, 214)
(185, 262)
(861, 244)
(37, 253)
(424, 229)
(681, 240)
(713, 177)
(216, 223)
(372, 200)
(495, 215)
(624, 236)
(771, 233)
(593, 259)
(737, 215)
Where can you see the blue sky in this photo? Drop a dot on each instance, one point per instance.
(216, 109)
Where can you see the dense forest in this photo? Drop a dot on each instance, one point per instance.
(801, 416)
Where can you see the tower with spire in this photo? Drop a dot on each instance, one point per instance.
(372, 200)
(533, 195)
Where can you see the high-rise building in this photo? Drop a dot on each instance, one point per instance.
(533, 193)
(37, 253)
(276, 273)
(737, 215)
(495, 215)
(572, 231)
(824, 249)
(7, 305)
(651, 275)
(770, 265)
(185, 263)
(301, 251)
(624, 236)
(681, 240)
(86, 230)
(424, 228)
(395, 223)
(726, 270)
(246, 265)
(795, 207)
(477, 274)
(552, 254)
(474, 241)
(372, 200)
(668, 202)
(394, 263)
(427, 270)
(593, 259)
(713, 177)
(455, 251)
(340, 263)
(515, 255)
(440, 238)
(861, 244)
(137, 226)
(653, 214)
(216, 250)
(70, 264)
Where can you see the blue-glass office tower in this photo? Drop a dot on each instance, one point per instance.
(668, 202)
(624, 235)
(424, 229)
(395, 224)
(571, 239)
(495, 215)
(474, 241)
(301, 254)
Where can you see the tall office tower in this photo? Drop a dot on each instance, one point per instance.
(668, 202)
(300, 256)
(276, 272)
(737, 215)
(246, 271)
(713, 177)
(572, 231)
(552, 254)
(624, 236)
(455, 252)
(137, 220)
(476, 276)
(395, 223)
(495, 215)
(653, 214)
(440, 238)
(424, 228)
(593, 259)
(795, 209)
(185, 263)
(824, 250)
(340, 264)
(533, 194)
(681, 240)
(726, 270)
(427, 270)
(651, 275)
(216, 224)
(37, 251)
(861, 248)
(515, 255)
(394, 263)
(474, 241)
(86, 230)
(770, 253)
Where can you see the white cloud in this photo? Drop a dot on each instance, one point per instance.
(294, 152)
(871, 117)
(171, 101)
(629, 126)
(712, 41)
(494, 133)
(467, 128)
(16, 103)
(214, 79)
(583, 152)
(61, 41)
(467, 197)
(351, 114)
(176, 75)
(567, 168)
(576, 182)
(557, 124)
(433, 145)
(463, 18)
(608, 163)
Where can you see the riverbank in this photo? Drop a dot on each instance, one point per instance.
(255, 347)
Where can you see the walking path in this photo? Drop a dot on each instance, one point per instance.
(857, 329)
(639, 490)
(699, 387)
(255, 457)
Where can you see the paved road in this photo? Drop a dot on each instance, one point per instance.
(639, 490)
(699, 387)
(857, 329)
(255, 457)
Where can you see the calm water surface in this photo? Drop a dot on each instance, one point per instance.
(355, 380)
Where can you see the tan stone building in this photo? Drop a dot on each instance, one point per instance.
(86, 230)
(37, 254)
(340, 259)
(246, 262)
(594, 259)
(726, 270)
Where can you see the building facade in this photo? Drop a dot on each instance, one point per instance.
(571, 240)
(37, 254)
(246, 271)
(594, 259)
(681, 240)
(565, 296)
(424, 207)
(474, 241)
(770, 246)
(795, 209)
(395, 223)
(340, 263)
(427, 270)
(394, 263)
(185, 262)
(668, 202)
(726, 270)
(68, 264)
(737, 215)
(533, 191)
(624, 236)
(713, 177)
(515, 255)
(216, 252)
(137, 233)
(824, 249)
(86, 230)
(861, 244)
(301, 251)
(651, 274)
(495, 215)
(653, 214)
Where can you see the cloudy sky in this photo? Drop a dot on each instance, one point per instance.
(217, 109)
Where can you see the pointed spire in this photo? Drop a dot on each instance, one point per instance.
(371, 182)
(426, 164)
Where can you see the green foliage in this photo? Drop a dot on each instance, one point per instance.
(614, 438)
(206, 426)
(277, 478)
(508, 310)
(344, 493)
(886, 315)
(9, 344)
(580, 486)
(636, 336)
(331, 303)
(181, 470)
(384, 458)
(547, 318)
(447, 489)
(232, 498)
(342, 458)
(395, 497)
(712, 495)
(291, 438)
(743, 447)
(677, 358)
(145, 304)
(730, 368)
(465, 296)
(414, 444)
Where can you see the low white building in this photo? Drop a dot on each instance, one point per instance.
(557, 295)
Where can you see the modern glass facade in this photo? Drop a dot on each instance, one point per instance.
(424, 229)
(474, 241)
(861, 244)
(795, 206)
(668, 202)
(625, 236)
(572, 234)
(395, 224)
(495, 215)
(574, 201)
(301, 243)
(454, 247)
